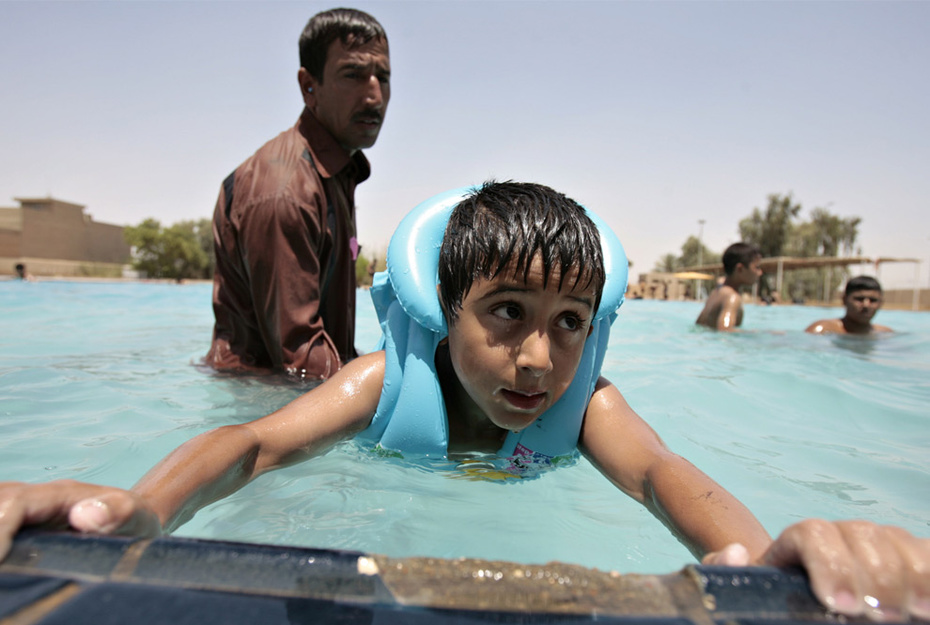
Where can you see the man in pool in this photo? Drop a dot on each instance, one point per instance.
(862, 299)
(522, 275)
(284, 225)
(724, 308)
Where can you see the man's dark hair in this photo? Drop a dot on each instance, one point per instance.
(354, 28)
(738, 253)
(505, 225)
(862, 283)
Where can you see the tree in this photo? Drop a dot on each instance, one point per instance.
(770, 231)
(825, 235)
(777, 234)
(176, 252)
(694, 252)
(362, 266)
(667, 264)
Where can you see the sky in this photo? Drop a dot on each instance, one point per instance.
(655, 115)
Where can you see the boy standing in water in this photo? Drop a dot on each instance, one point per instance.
(724, 308)
(862, 299)
(523, 276)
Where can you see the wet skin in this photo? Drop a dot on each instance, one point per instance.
(861, 307)
(724, 308)
(514, 349)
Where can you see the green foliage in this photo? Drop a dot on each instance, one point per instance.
(770, 231)
(667, 264)
(181, 251)
(693, 253)
(363, 268)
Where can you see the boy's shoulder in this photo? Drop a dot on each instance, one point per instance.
(826, 326)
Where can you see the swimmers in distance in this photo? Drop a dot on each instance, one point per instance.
(724, 308)
(862, 299)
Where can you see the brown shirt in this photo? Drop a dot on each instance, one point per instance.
(284, 234)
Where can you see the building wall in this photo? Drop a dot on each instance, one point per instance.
(54, 230)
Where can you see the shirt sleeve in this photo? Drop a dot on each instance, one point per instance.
(284, 251)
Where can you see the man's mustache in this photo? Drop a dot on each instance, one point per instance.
(368, 115)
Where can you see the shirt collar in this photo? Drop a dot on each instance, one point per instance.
(330, 157)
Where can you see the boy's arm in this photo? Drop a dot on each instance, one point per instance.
(699, 512)
(855, 567)
(206, 468)
(729, 316)
(825, 326)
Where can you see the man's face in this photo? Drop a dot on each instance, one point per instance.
(862, 305)
(352, 98)
(516, 345)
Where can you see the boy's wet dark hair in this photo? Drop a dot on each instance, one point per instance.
(862, 283)
(504, 224)
(354, 28)
(738, 253)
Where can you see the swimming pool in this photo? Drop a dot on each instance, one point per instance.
(98, 382)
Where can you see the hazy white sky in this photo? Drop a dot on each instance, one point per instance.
(653, 114)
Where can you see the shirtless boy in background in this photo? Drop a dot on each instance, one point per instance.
(724, 308)
(862, 299)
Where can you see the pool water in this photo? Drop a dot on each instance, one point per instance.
(98, 381)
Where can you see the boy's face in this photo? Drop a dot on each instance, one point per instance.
(516, 345)
(751, 274)
(862, 305)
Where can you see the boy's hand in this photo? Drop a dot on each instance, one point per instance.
(65, 503)
(855, 567)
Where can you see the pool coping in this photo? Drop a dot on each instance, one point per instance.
(59, 577)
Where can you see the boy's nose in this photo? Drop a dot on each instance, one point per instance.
(534, 354)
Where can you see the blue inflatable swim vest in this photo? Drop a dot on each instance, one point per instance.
(411, 415)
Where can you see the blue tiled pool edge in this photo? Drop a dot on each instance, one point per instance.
(52, 578)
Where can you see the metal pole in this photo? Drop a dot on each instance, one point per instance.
(914, 305)
(699, 294)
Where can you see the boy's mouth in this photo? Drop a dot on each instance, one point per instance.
(524, 400)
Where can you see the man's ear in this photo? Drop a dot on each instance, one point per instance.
(308, 85)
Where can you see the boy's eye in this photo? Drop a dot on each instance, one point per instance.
(507, 311)
(571, 322)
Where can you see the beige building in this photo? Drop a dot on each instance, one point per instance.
(664, 286)
(56, 238)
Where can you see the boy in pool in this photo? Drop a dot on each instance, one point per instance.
(522, 276)
(724, 308)
(862, 299)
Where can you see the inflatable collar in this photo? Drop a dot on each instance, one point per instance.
(411, 415)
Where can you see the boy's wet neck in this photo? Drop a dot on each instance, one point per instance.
(469, 428)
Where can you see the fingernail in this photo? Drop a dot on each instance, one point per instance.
(921, 608)
(844, 602)
(95, 514)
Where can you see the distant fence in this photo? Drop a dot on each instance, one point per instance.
(903, 299)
